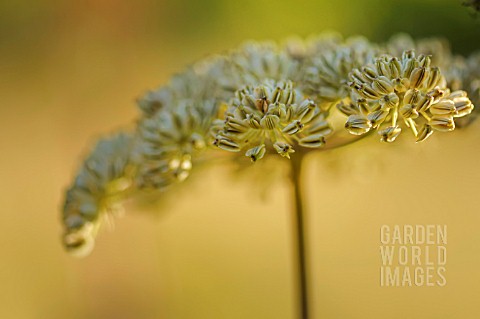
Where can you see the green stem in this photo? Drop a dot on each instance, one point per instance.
(300, 235)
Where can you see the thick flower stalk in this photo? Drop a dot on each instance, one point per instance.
(402, 91)
(272, 114)
(104, 178)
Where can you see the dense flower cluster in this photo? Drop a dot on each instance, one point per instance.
(406, 89)
(325, 73)
(437, 48)
(252, 64)
(464, 73)
(272, 112)
(106, 174)
(264, 99)
(170, 139)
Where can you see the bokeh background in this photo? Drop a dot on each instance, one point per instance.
(71, 70)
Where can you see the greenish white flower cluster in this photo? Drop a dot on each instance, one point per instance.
(271, 113)
(407, 88)
(267, 99)
(105, 175)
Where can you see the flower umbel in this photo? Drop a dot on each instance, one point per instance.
(253, 64)
(407, 90)
(170, 140)
(273, 113)
(195, 83)
(102, 181)
(464, 73)
(325, 74)
(265, 99)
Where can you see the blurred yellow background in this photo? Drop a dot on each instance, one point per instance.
(71, 70)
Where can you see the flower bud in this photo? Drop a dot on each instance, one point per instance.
(444, 107)
(408, 112)
(226, 144)
(368, 92)
(269, 122)
(395, 67)
(283, 149)
(312, 141)
(358, 124)
(377, 117)
(253, 121)
(293, 128)
(424, 133)
(423, 103)
(434, 78)
(256, 153)
(347, 109)
(389, 134)
(411, 96)
(442, 123)
(382, 85)
(320, 127)
(463, 106)
(306, 111)
(389, 101)
(419, 75)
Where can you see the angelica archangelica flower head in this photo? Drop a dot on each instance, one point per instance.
(325, 73)
(473, 79)
(176, 124)
(195, 83)
(272, 113)
(252, 64)
(437, 48)
(170, 140)
(404, 90)
(464, 73)
(104, 177)
(267, 99)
